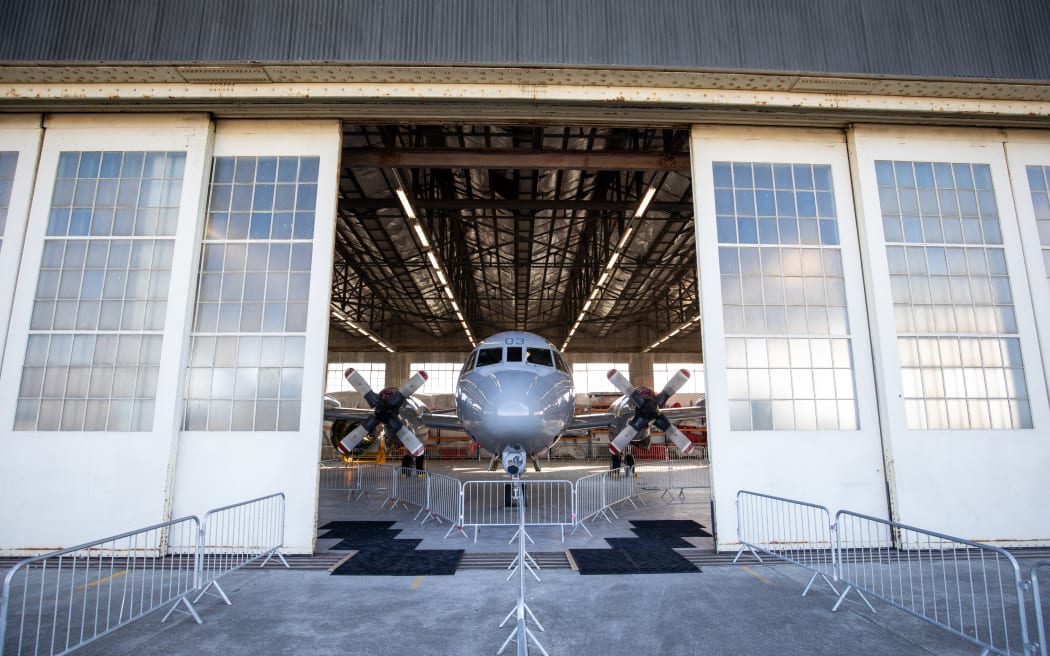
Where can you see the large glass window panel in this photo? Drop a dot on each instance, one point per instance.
(441, 376)
(373, 372)
(1039, 187)
(247, 345)
(788, 343)
(101, 296)
(957, 333)
(8, 164)
(592, 377)
(664, 371)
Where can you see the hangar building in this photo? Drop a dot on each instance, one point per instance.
(849, 229)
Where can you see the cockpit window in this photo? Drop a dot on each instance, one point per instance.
(540, 356)
(469, 364)
(514, 354)
(561, 363)
(487, 356)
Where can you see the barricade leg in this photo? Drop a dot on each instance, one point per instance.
(271, 555)
(845, 592)
(190, 610)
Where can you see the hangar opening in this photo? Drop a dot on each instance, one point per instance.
(584, 235)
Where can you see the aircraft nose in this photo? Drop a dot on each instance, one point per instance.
(513, 409)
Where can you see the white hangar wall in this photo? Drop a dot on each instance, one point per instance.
(873, 306)
(850, 350)
(143, 378)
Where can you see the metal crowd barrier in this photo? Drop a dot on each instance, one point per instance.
(793, 531)
(409, 486)
(596, 494)
(591, 500)
(490, 503)
(375, 479)
(1040, 619)
(673, 471)
(969, 589)
(237, 535)
(443, 498)
(69, 598)
(339, 475)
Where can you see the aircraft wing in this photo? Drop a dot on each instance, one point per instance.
(590, 420)
(353, 414)
(603, 419)
(687, 412)
(443, 419)
(447, 419)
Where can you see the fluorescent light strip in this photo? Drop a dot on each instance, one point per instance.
(422, 235)
(684, 327)
(649, 193)
(617, 253)
(403, 197)
(360, 329)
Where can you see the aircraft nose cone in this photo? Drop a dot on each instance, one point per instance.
(513, 409)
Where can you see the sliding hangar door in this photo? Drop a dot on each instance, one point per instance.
(874, 300)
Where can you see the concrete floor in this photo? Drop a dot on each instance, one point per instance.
(720, 609)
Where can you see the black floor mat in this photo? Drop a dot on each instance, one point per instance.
(380, 554)
(652, 552)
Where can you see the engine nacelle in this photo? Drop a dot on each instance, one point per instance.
(623, 411)
(410, 415)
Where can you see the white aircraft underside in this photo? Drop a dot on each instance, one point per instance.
(514, 396)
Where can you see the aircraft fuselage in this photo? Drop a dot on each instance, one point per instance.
(515, 389)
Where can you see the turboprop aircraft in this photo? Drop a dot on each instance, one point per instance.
(514, 398)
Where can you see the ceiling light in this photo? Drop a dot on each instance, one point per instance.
(649, 193)
(601, 281)
(623, 239)
(422, 235)
(403, 197)
(612, 261)
(433, 260)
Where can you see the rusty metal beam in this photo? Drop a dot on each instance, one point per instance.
(514, 159)
(359, 204)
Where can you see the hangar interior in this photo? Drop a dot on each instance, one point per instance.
(449, 233)
(514, 227)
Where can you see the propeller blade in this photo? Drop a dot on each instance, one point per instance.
(410, 441)
(620, 382)
(684, 444)
(358, 382)
(622, 439)
(413, 384)
(674, 384)
(353, 438)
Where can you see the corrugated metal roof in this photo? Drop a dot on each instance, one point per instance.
(991, 39)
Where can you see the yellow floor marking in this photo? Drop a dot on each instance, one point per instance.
(103, 580)
(342, 560)
(415, 584)
(756, 575)
(572, 561)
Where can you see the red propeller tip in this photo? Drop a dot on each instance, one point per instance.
(349, 371)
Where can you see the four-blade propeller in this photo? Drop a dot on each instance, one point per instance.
(387, 405)
(647, 410)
